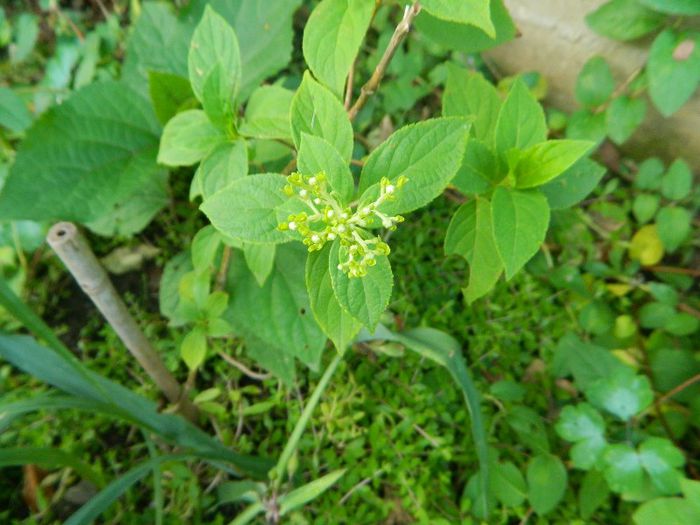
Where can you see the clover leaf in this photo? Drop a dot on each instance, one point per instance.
(584, 426)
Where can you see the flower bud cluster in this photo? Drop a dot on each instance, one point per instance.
(327, 220)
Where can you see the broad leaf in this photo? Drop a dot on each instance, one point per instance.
(469, 94)
(428, 154)
(471, 12)
(246, 209)
(520, 220)
(586, 362)
(316, 111)
(14, 114)
(623, 470)
(364, 298)
(678, 181)
(593, 493)
(214, 45)
(543, 162)
(169, 93)
(624, 20)
(86, 155)
(546, 479)
(674, 225)
(595, 83)
(521, 122)
(508, 484)
(224, 164)
(267, 114)
(479, 170)
(332, 38)
(669, 511)
(674, 7)
(277, 314)
(316, 155)
(661, 460)
(468, 38)
(188, 138)
(470, 234)
(623, 116)
(260, 259)
(673, 80)
(584, 426)
(336, 323)
(574, 185)
(623, 394)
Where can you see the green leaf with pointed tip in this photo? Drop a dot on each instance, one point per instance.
(14, 114)
(508, 484)
(222, 165)
(267, 114)
(469, 94)
(623, 393)
(364, 298)
(214, 44)
(246, 209)
(317, 154)
(479, 169)
(316, 111)
(623, 470)
(672, 81)
(470, 12)
(470, 235)
(521, 122)
(302, 495)
(260, 259)
(193, 349)
(624, 20)
(574, 185)
(169, 92)
(336, 323)
(678, 181)
(584, 426)
(332, 38)
(623, 116)
(674, 7)
(593, 493)
(674, 225)
(188, 138)
(520, 220)
(546, 479)
(669, 511)
(545, 161)
(428, 154)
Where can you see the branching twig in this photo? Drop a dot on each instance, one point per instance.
(373, 83)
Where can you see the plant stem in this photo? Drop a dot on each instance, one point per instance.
(372, 84)
(73, 249)
(299, 428)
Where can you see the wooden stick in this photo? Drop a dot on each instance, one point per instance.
(373, 83)
(72, 248)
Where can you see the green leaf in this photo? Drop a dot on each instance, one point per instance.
(622, 393)
(316, 155)
(546, 478)
(332, 38)
(217, 101)
(585, 361)
(168, 292)
(623, 470)
(309, 492)
(595, 83)
(260, 259)
(470, 235)
(267, 114)
(316, 111)
(223, 165)
(644, 207)
(193, 349)
(649, 174)
(586, 125)
(479, 169)
(26, 35)
(678, 181)
(169, 93)
(624, 20)
(469, 94)
(593, 493)
(521, 122)
(87, 155)
(674, 226)
(669, 511)
(520, 220)
(661, 460)
(508, 484)
(428, 154)
(574, 185)
(530, 428)
(672, 81)
(543, 162)
(470, 12)
(584, 426)
(188, 138)
(364, 298)
(214, 45)
(468, 38)
(623, 116)
(14, 114)
(245, 209)
(674, 7)
(277, 314)
(336, 323)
